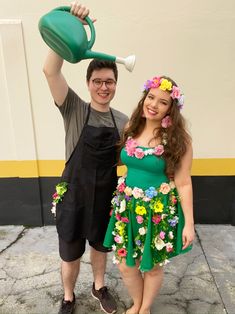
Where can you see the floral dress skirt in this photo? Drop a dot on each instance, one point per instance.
(147, 220)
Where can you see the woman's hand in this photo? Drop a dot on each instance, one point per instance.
(80, 11)
(188, 235)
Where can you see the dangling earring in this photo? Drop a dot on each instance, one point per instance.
(166, 122)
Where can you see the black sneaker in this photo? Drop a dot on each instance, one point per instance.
(107, 302)
(67, 307)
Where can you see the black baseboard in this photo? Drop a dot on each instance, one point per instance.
(28, 201)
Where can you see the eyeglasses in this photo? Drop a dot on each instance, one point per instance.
(99, 83)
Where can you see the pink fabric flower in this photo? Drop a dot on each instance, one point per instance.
(139, 153)
(55, 195)
(118, 239)
(118, 217)
(130, 147)
(137, 193)
(122, 252)
(173, 199)
(175, 92)
(156, 219)
(159, 150)
(139, 219)
(121, 187)
(169, 247)
(124, 219)
(162, 235)
(164, 188)
(166, 122)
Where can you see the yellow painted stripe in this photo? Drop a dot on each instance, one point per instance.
(215, 166)
(21, 169)
(54, 168)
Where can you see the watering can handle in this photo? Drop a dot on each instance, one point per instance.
(89, 22)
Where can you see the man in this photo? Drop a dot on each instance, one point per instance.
(92, 131)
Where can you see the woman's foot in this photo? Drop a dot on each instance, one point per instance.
(132, 310)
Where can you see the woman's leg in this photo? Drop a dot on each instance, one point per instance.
(134, 283)
(152, 283)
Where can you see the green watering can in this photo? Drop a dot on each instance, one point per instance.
(65, 34)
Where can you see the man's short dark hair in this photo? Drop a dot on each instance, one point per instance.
(97, 64)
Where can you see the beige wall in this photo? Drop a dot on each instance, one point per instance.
(191, 41)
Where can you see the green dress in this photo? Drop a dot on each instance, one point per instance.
(147, 219)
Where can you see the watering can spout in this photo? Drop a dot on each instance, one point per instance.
(129, 62)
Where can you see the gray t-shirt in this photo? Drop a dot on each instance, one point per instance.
(74, 111)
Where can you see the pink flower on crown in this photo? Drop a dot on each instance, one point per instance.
(166, 122)
(175, 92)
(156, 82)
(139, 153)
(159, 150)
(130, 146)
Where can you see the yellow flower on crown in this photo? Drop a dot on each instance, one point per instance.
(140, 210)
(158, 207)
(165, 85)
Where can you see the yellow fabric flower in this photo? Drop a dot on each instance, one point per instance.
(120, 225)
(166, 85)
(140, 210)
(158, 207)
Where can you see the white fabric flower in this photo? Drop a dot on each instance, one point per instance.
(142, 230)
(122, 206)
(159, 243)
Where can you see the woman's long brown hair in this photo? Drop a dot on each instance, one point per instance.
(177, 136)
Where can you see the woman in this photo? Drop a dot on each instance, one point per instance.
(152, 218)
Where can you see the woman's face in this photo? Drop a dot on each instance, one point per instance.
(156, 105)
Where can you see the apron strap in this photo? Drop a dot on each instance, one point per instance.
(88, 114)
(114, 122)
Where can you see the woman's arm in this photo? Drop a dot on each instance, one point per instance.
(183, 184)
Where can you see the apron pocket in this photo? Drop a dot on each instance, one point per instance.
(69, 212)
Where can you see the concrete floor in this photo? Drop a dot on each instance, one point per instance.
(199, 282)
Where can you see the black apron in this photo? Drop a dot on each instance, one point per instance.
(91, 176)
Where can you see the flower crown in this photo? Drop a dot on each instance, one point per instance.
(166, 85)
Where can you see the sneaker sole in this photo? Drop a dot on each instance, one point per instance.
(101, 305)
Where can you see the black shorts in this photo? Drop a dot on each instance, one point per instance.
(70, 251)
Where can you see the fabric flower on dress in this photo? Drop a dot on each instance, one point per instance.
(151, 192)
(137, 193)
(142, 231)
(158, 206)
(156, 219)
(133, 150)
(139, 153)
(122, 252)
(159, 243)
(139, 219)
(140, 210)
(122, 206)
(165, 188)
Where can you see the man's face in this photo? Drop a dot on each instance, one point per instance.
(102, 87)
